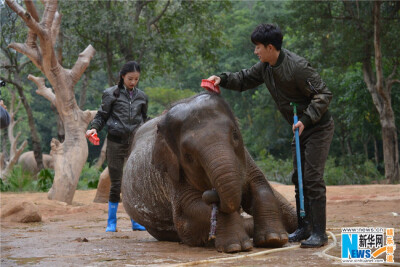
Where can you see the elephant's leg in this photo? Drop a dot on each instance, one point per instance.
(192, 221)
(249, 226)
(191, 215)
(269, 230)
(231, 234)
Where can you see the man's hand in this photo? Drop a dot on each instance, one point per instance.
(2, 104)
(216, 79)
(299, 125)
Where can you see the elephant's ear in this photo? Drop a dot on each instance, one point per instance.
(164, 159)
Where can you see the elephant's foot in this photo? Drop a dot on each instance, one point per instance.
(231, 234)
(273, 239)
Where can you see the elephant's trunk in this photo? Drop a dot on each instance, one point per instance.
(223, 169)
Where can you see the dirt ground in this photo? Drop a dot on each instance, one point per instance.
(74, 235)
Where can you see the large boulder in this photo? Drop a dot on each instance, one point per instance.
(22, 211)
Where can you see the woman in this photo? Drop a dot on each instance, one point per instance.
(123, 109)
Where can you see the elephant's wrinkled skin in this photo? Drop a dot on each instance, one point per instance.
(194, 147)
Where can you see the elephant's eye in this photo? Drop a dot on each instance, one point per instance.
(188, 158)
(235, 135)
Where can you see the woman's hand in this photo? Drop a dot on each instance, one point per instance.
(90, 132)
(215, 78)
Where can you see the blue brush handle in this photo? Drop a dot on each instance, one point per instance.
(299, 173)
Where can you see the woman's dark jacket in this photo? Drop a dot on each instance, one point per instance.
(292, 79)
(122, 114)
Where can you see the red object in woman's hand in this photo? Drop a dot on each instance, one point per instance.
(94, 139)
(209, 86)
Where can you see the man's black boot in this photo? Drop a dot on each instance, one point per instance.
(318, 236)
(304, 227)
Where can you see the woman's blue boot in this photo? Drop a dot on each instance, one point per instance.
(137, 227)
(112, 217)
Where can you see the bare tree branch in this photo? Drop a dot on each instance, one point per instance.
(32, 53)
(49, 13)
(390, 77)
(82, 63)
(378, 54)
(32, 9)
(23, 64)
(32, 37)
(26, 16)
(55, 29)
(153, 21)
(347, 6)
(42, 89)
(88, 115)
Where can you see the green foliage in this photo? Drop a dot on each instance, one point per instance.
(338, 171)
(21, 181)
(44, 180)
(4, 186)
(195, 39)
(89, 178)
(277, 170)
(160, 98)
(18, 181)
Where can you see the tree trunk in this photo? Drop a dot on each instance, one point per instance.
(380, 90)
(102, 156)
(110, 75)
(15, 152)
(36, 143)
(4, 145)
(390, 149)
(365, 146)
(103, 188)
(60, 124)
(348, 146)
(70, 156)
(376, 151)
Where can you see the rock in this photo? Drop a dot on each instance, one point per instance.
(22, 211)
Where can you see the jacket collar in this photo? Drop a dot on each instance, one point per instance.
(127, 91)
(281, 57)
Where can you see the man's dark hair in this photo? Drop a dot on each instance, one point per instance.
(267, 34)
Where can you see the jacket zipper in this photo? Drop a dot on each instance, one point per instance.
(273, 85)
(311, 86)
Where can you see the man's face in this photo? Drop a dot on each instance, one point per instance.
(264, 53)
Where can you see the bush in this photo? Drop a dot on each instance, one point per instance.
(343, 171)
(89, 178)
(45, 180)
(277, 170)
(354, 173)
(18, 180)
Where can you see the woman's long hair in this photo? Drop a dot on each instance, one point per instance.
(130, 66)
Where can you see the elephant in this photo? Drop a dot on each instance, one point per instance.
(192, 148)
(28, 162)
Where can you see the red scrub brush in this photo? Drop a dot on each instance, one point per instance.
(93, 139)
(209, 86)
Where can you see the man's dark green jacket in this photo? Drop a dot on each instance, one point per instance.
(291, 79)
(122, 114)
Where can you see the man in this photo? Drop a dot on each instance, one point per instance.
(4, 116)
(290, 78)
